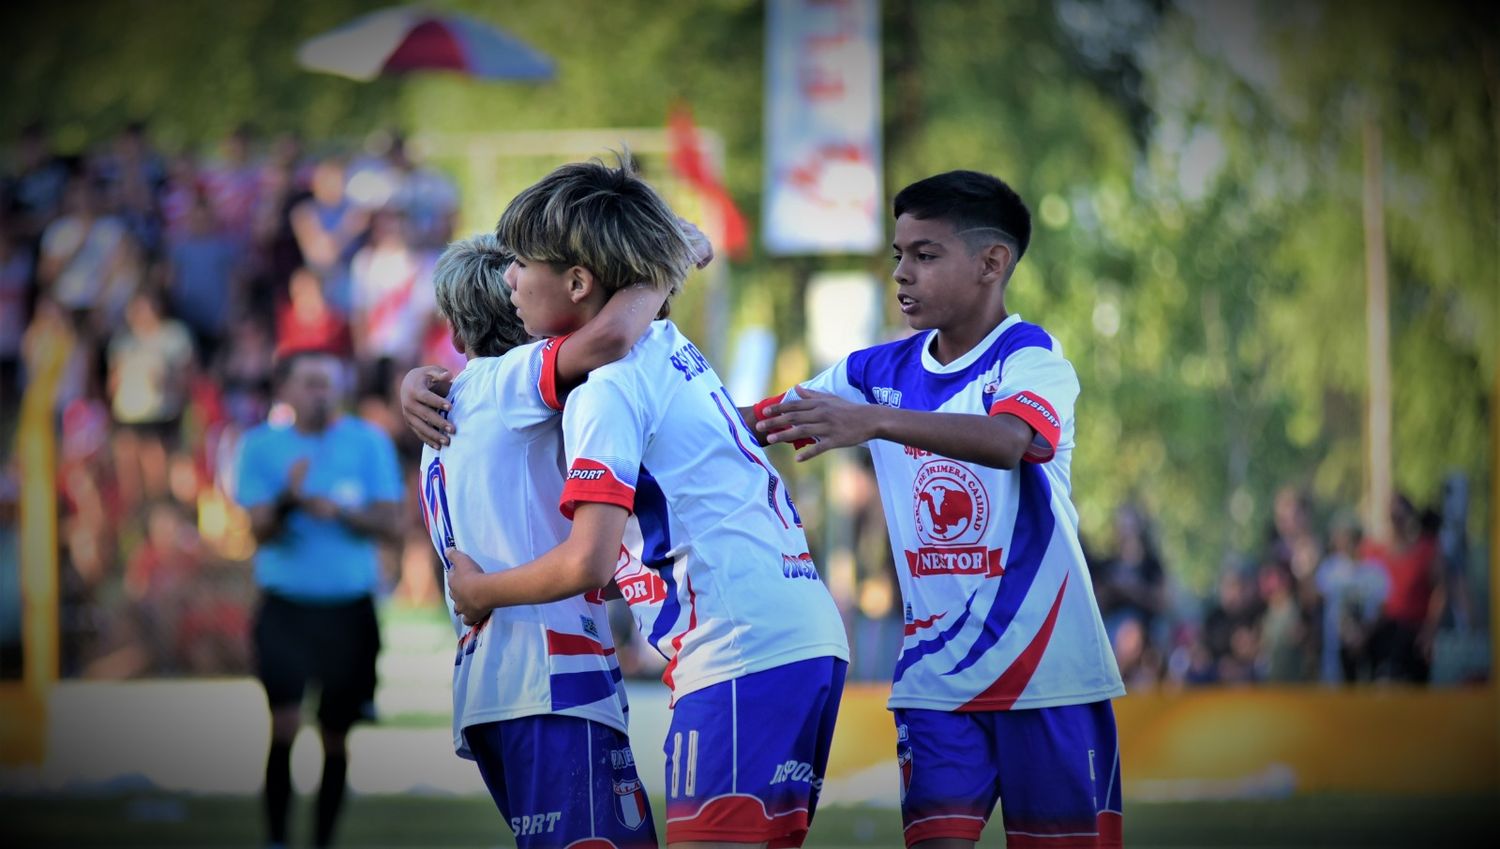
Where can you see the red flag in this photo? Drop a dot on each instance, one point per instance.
(690, 162)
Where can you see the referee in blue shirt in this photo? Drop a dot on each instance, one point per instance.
(323, 491)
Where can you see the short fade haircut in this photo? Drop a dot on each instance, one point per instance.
(472, 295)
(603, 218)
(975, 204)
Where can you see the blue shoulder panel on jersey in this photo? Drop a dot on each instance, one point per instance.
(897, 367)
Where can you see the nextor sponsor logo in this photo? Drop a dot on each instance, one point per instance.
(642, 589)
(956, 560)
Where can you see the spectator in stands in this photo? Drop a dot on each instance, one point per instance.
(1283, 652)
(1140, 662)
(150, 366)
(329, 228)
(34, 191)
(169, 558)
(232, 183)
(1402, 642)
(1131, 585)
(1230, 627)
(203, 276)
(307, 322)
(1192, 663)
(1353, 589)
(425, 197)
(132, 176)
(1294, 541)
(83, 256)
(392, 304)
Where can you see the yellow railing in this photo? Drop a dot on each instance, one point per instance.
(23, 706)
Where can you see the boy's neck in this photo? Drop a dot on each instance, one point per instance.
(591, 306)
(954, 341)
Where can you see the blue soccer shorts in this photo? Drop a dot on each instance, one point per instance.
(745, 758)
(1055, 772)
(564, 783)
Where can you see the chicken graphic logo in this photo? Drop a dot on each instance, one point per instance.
(951, 510)
(951, 504)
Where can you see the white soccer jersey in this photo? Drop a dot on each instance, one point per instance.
(1000, 612)
(657, 433)
(492, 494)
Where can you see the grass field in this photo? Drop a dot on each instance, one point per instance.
(472, 823)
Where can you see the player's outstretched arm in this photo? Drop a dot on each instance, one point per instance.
(999, 441)
(584, 561)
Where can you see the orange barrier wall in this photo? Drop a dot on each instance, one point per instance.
(1218, 743)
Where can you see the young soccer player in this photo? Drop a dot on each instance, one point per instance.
(756, 647)
(1003, 685)
(536, 701)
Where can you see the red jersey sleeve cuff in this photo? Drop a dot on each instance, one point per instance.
(1035, 411)
(760, 406)
(761, 415)
(591, 482)
(547, 380)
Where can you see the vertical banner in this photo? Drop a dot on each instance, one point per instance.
(823, 163)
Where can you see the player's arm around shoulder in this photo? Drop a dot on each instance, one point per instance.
(625, 318)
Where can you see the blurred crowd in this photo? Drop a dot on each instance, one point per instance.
(1320, 602)
(177, 277)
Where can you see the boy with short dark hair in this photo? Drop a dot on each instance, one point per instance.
(1002, 688)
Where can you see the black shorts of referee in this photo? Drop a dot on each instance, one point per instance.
(332, 645)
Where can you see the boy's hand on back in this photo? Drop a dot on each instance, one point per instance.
(828, 419)
(463, 586)
(424, 393)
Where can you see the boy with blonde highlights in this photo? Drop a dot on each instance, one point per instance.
(536, 696)
(756, 649)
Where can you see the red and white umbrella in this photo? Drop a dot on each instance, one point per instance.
(408, 38)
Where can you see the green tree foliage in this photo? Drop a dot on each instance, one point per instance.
(1281, 91)
(192, 70)
(1194, 171)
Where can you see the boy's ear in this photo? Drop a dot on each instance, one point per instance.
(995, 261)
(581, 283)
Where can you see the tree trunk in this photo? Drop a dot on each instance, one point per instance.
(1378, 462)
